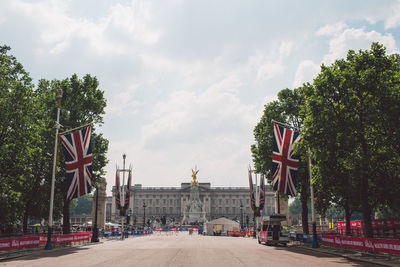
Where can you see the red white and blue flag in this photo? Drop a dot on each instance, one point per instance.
(128, 190)
(284, 161)
(117, 191)
(77, 147)
(252, 192)
(262, 192)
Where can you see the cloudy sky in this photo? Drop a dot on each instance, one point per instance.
(186, 81)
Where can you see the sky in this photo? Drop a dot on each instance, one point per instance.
(186, 81)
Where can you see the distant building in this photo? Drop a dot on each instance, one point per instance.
(171, 201)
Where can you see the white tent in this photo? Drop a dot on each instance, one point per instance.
(223, 224)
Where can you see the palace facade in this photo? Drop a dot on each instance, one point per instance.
(157, 202)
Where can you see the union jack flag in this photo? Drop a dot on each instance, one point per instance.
(262, 192)
(128, 190)
(284, 162)
(117, 191)
(77, 147)
(252, 192)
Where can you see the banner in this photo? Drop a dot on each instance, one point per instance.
(19, 243)
(390, 246)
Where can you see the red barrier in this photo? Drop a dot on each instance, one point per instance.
(390, 246)
(236, 233)
(62, 239)
(19, 243)
(34, 240)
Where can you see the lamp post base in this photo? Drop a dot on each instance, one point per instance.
(315, 239)
(48, 244)
(95, 236)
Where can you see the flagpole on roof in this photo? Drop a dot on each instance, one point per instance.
(50, 223)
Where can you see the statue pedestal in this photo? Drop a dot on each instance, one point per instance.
(101, 208)
(194, 211)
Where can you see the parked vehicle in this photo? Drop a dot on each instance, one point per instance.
(272, 232)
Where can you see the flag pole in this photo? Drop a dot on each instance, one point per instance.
(76, 128)
(314, 224)
(50, 223)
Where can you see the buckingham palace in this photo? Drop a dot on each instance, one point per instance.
(229, 202)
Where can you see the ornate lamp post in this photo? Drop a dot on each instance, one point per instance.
(128, 218)
(241, 215)
(95, 236)
(122, 211)
(144, 214)
(53, 177)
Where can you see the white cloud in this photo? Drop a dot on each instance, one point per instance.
(393, 20)
(122, 30)
(306, 72)
(271, 64)
(183, 111)
(356, 39)
(331, 29)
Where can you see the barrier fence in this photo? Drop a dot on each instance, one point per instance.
(118, 233)
(375, 245)
(33, 241)
(240, 233)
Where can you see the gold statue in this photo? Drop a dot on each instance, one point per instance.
(194, 181)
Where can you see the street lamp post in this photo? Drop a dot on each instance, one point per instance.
(128, 219)
(241, 215)
(53, 177)
(95, 236)
(144, 214)
(122, 211)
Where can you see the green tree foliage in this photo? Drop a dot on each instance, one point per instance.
(287, 110)
(27, 120)
(352, 126)
(20, 141)
(82, 103)
(82, 205)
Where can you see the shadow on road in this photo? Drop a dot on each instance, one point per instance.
(39, 254)
(304, 251)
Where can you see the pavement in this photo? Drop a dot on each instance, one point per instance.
(372, 258)
(352, 255)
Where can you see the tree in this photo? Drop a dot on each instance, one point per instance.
(82, 205)
(82, 103)
(352, 121)
(20, 143)
(287, 110)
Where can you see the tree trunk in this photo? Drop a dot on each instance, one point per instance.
(365, 207)
(304, 204)
(347, 213)
(66, 224)
(25, 219)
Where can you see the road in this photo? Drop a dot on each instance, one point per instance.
(180, 249)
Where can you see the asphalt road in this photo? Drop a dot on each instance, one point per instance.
(180, 249)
